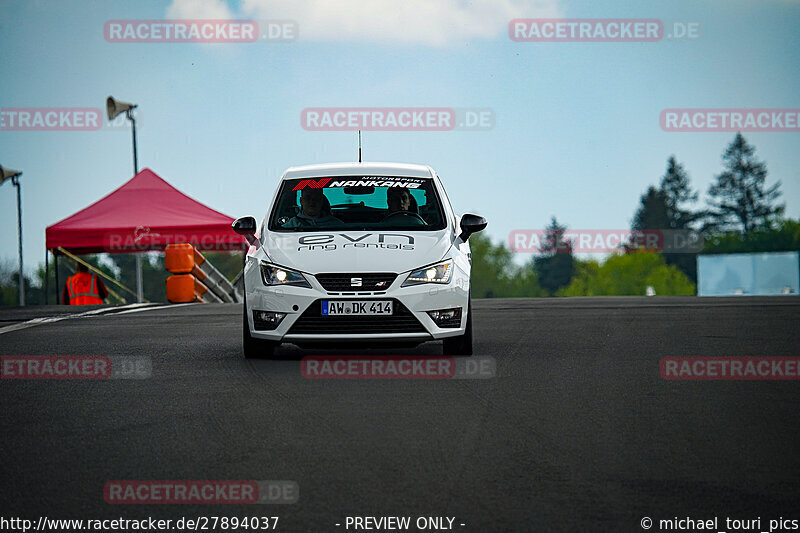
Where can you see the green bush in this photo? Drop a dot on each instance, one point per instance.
(628, 275)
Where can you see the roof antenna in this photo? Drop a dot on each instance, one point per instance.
(359, 146)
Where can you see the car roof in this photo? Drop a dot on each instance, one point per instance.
(359, 169)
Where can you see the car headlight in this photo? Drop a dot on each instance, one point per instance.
(275, 275)
(438, 273)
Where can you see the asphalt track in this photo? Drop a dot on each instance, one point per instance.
(577, 431)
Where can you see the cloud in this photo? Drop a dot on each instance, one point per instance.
(199, 9)
(426, 22)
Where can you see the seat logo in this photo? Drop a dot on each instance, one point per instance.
(355, 282)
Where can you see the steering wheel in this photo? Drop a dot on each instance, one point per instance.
(407, 214)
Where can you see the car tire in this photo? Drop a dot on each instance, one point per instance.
(461, 345)
(255, 348)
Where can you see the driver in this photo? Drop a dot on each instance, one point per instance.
(315, 210)
(398, 199)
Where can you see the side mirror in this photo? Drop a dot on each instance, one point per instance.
(245, 226)
(471, 224)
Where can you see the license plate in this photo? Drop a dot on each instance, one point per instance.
(356, 307)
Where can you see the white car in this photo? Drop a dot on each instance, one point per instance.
(358, 253)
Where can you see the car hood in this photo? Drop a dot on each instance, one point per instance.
(356, 251)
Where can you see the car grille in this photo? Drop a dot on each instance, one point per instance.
(311, 322)
(370, 282)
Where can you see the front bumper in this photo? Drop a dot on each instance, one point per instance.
(304, 323)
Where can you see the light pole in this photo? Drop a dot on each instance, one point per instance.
(6, 173)
(114, 108)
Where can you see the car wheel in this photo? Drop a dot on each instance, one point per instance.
(461, 345)
(255, 348)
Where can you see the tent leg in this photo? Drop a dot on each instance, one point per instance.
(58, 285)
(46, 277)
(139, 286)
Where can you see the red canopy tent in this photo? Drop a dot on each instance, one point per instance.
(145, 214)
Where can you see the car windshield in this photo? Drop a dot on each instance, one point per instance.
(357, 202)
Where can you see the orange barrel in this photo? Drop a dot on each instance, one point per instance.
(179, 258)
(180, 288)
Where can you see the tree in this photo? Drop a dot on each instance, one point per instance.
(784, 238)
(228, 263)
(9, 286)
(664, 208)
(628, 275)
(582, 280)
(652, 211)
(556, 265)
(494, 274)
(677, 193)
(154, 276)
(738, 199)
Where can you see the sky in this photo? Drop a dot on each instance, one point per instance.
(575, 131)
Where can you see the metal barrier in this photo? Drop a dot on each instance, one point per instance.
(195, 278)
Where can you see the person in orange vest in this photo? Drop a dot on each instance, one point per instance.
(83, 288)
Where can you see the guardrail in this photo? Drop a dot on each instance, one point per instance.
(194, 278)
